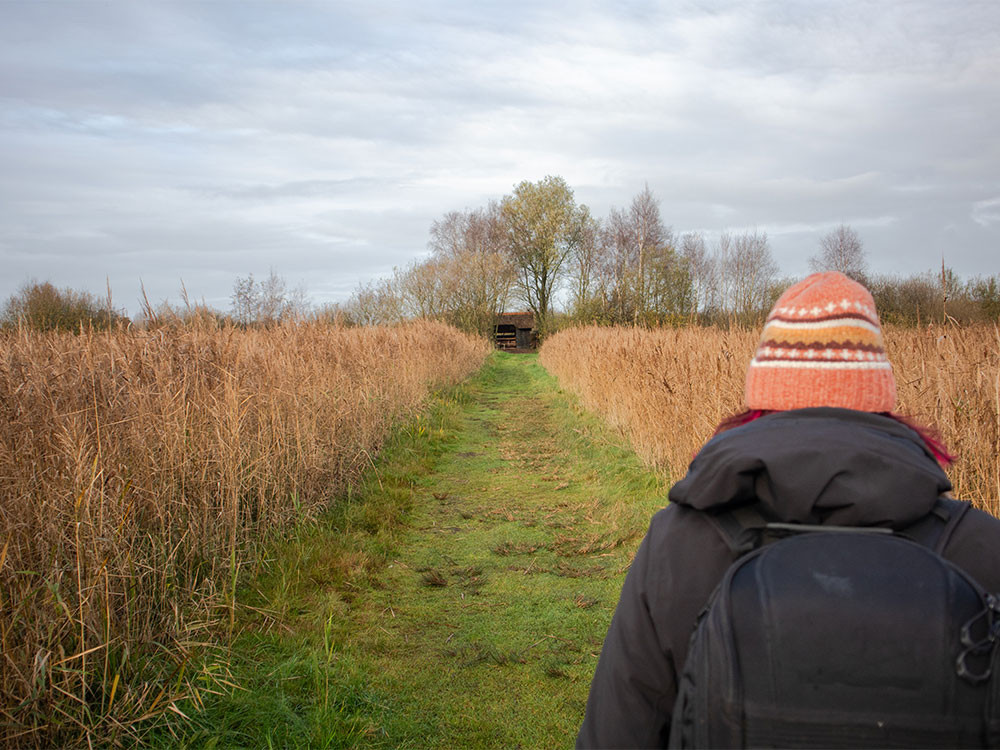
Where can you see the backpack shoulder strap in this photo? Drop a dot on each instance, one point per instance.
(936, 528)
(744, 528)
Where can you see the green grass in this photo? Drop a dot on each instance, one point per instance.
(457, 598)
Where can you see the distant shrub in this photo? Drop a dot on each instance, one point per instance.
(936, 298)
(986, 294)
(907, 301)
(44, 308)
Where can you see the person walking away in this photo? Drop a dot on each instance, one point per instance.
(819, 445)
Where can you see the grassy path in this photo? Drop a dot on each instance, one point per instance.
(461, 601)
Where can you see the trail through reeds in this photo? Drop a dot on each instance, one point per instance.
(505, 523)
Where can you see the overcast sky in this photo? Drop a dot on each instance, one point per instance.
(201, 141)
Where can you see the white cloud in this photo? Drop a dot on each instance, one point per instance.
(986, 212)
(863, 222)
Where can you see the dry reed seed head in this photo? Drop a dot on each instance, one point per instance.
(822, 346)
(957, 391)
(201, 438)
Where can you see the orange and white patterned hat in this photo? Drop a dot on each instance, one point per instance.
(822, 346)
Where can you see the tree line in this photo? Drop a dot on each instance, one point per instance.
(537, 244)
(538, 249)
(44, 307)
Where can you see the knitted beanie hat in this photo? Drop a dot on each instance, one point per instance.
(822, 346)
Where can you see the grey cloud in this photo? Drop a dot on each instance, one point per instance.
(302, 189)
(208, 140)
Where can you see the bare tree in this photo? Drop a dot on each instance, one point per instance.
(267, 301)
(272, 298)
(297, 305)
(245, 299)
(485, 271)
(669, 287)
(841, 250)
(472, 271)
(448, 234)
(650, 236)
(586, 291)
(704, 273)
(639, 260)
(375, 303)
(422, 287)
(618, 266)
(480, 286)
(485, 231)
(747, 271)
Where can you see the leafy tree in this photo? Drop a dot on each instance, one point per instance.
(543, 225)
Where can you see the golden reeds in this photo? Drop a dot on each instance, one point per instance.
(138, 469)
(667, 389)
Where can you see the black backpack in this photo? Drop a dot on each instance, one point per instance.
(841, 637)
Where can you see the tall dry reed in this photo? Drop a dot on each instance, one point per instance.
(667, 389)
(138, 468)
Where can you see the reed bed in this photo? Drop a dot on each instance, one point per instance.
(667, 389)
(138, 471)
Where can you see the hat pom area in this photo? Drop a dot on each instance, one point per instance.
(822, 346)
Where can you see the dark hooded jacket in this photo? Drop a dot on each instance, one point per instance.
(814, 466)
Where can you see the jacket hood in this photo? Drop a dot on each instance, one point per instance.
(819, 465)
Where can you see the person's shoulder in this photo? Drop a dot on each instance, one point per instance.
(678, 532)
(675, 517)
(980, 523)
(975, 547)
